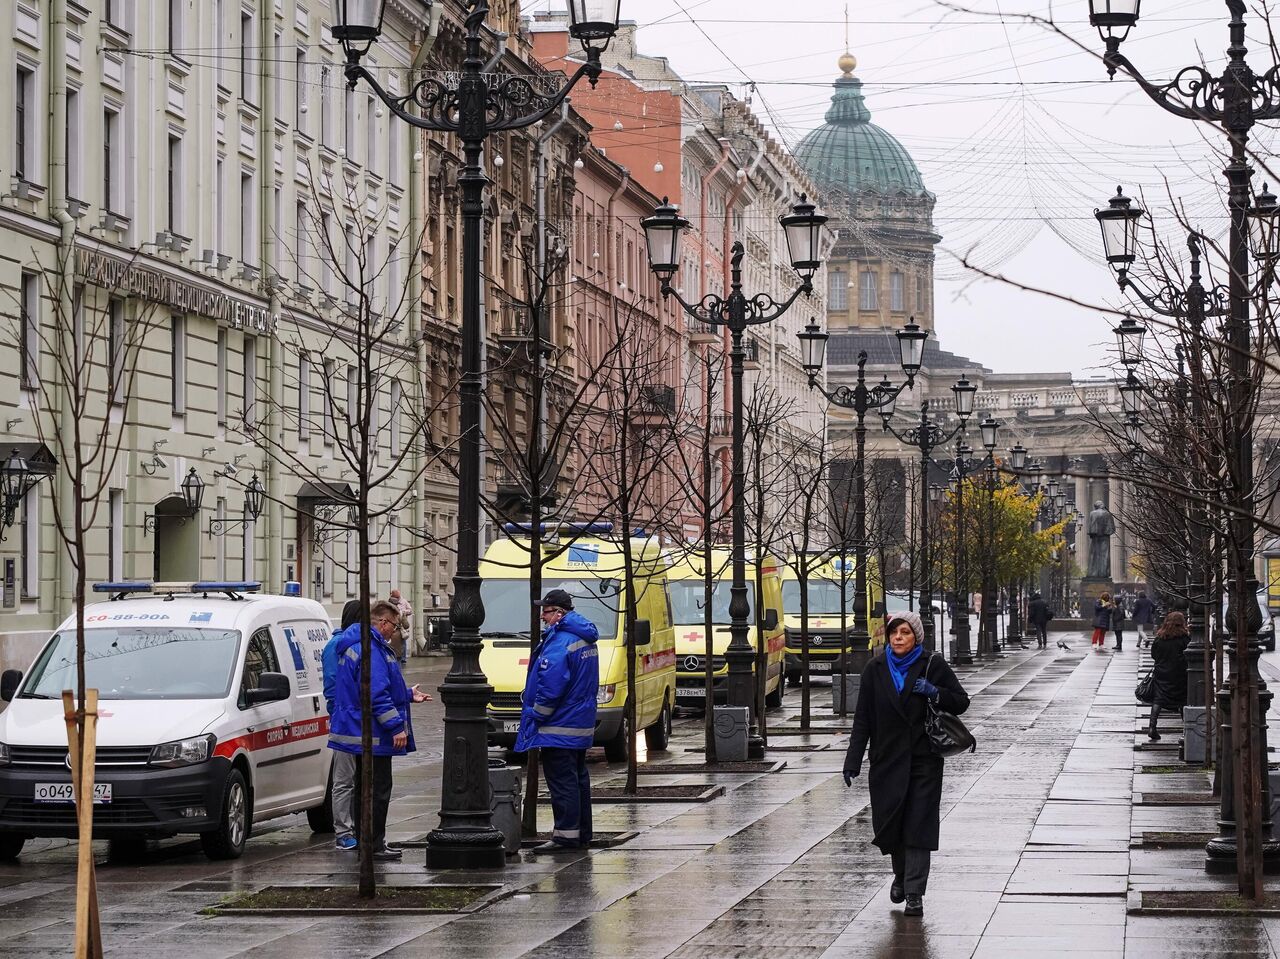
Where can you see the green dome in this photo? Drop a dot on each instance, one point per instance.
(850, 154)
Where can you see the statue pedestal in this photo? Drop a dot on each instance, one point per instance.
(1091, 588)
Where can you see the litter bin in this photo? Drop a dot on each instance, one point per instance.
(504, 802)
(730, 724)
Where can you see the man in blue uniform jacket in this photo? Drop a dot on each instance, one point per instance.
(559, 716)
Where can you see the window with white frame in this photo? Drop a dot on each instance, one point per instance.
(248, 235)
(174, 184)
(837, 290)
(897, 292)
(393, 416)
(220, 386)
(175, 26)
(26, 111)
(219, 20)
(330, 396)
(371, 135)
(867, 292)
(277, 220)
(247, 57)
(116, 349)
(326, 106)
(29, 332)
(249, 381)
(300, 105)
(922, 295)
(178, 365)
(300, 241)
(74, 145)
(115, 535)
(112, 195)
(353, 393)
(277, 55)
(324, 253)
(219, 208)
(395, 145)
(304, 395)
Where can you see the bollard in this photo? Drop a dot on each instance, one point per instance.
(730, 724)
(844, 690)
(504, 803)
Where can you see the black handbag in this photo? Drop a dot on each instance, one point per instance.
(948, 736)
(1145, 691)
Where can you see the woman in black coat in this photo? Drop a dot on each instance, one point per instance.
(1169, 669)
(906, 776)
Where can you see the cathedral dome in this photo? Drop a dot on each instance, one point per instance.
(849, 154)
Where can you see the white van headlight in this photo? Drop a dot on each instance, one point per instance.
(606, 693)
(184, 752)
(4, 754)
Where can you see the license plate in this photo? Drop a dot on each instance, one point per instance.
(819, 667)
(691, 694)
(63, 792)
(511, 726)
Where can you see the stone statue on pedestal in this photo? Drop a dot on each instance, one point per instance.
(1102, 526)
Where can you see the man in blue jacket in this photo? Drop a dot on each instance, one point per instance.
(342, 776)
(559, 716)
(389, 697)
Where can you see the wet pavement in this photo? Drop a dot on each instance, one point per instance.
(1047, 849)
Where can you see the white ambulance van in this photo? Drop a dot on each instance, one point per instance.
(211, 718)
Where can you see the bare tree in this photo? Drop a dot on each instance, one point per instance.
(82, 368)
(377, 426)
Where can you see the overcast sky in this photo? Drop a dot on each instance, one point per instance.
(1015, 129)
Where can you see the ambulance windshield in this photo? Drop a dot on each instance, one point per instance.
(824, 597)
(139, 662)
(506, 604)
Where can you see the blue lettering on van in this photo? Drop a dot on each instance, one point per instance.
(201, 617)
(584, 556)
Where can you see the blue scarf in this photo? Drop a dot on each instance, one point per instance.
(898, 665)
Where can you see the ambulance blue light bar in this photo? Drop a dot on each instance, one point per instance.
(242, 586)
(587, 529)
(122, 587)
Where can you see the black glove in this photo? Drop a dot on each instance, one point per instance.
(850, 774)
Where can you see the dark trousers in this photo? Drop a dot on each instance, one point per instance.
(381, 801)
(1119, 639)
(1155, 717)
(1042, 634)
(570, 787)
(911, 868)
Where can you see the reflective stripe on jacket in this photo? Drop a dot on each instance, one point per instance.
(389, 696)
(560, 689)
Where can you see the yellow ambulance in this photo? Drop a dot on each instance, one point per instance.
(587, 561)
(831, 581)
(688, 598)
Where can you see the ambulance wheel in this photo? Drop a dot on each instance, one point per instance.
(227, 841)
(320, 818)
(11, 846)
(657, 736)
(615, 750)
(774, 699)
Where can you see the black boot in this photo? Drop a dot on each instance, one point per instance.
(915, 905)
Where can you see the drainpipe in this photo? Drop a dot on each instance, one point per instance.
(66, 255)
(268, 243)
(416, 327)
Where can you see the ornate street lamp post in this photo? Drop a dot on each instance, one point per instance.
(1234, 101)
(988, 640)
(861, 400)
(470, 104)
(1017, 462)
(926, 437)
(803, 230)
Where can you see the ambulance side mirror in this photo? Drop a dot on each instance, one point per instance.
(643, 632)
(271, 688)
(770, 619)
(9, 682)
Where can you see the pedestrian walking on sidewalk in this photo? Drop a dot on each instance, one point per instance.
(1143, 616)
(343, 773)
(1101, 621)
(906, 775)
(1117, 624)
(1039, 615)
(1169, 669)
(559, 716)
